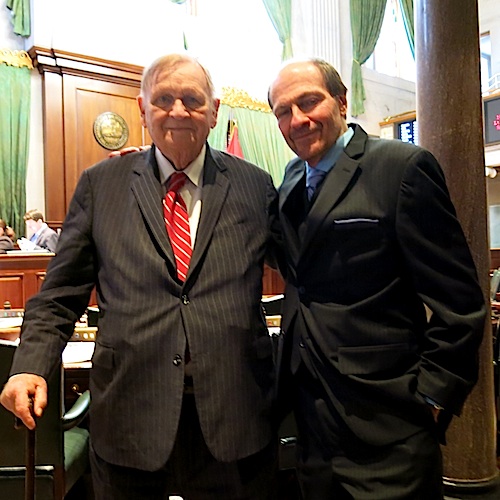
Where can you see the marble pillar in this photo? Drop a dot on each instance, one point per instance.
(449, 116)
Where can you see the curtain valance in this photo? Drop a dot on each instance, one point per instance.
(259, 136)
(16, 58)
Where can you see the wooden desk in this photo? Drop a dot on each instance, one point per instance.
(272, 282)
(21, 276)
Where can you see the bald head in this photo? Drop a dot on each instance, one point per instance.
(309, 100)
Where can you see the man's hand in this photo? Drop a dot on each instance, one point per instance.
(17, 393)
(126, 151)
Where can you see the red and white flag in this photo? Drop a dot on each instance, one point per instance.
(234, 146)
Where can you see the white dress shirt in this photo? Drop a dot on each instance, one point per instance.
(192, 189)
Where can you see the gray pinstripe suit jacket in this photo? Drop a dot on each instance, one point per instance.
(114, 237)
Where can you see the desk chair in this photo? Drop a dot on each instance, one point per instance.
(61, 451)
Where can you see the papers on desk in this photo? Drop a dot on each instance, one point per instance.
(28, 247)
(9, 342)
(78, 352)
(274, 331)
(14, 322)
(75, 354)
(30, 252)
(272, 298)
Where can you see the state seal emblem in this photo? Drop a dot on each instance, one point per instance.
(110, 130)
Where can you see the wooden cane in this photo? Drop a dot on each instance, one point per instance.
(29, 478)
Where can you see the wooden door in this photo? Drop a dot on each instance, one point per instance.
(84, 101)
(76, 90)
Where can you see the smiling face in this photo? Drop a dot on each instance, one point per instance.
(309, 117)
(178, 109)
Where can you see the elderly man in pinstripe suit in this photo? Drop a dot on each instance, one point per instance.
(151, 435)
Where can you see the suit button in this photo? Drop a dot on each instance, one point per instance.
(185, 300)
(301, 344)
(177, 360)
(301, 290)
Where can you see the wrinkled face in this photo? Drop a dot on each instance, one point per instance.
(310, 119)
(179, 112)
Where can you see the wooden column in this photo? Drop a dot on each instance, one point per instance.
(449, 116)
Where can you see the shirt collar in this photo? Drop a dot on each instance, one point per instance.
(333, 154)
(193, 170)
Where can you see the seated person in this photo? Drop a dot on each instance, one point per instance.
(5, 241)
(10, 233)
(41, 234)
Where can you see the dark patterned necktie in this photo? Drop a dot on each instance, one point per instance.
(177, 223)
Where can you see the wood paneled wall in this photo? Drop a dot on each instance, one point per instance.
(76, 90)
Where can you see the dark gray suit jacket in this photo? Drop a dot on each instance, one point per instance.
(114, 236)
(380, 241)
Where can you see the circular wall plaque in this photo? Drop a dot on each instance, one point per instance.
(110, 130)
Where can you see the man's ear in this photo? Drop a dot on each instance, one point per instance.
(342, 100)
(140, 102)
(215, 110)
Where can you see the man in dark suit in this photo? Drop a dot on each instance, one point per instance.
(182, 372)
(383, 314)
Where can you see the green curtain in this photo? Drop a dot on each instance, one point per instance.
(260, 138)
(218, 135)
(15, 83)
(409, 22)
(366, 22)
(262, 142)
(21, 17)
(280, 13)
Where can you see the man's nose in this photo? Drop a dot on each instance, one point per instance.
(178, 108)
(298, 116)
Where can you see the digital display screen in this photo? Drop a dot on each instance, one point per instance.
(492, 121)
(408, 131)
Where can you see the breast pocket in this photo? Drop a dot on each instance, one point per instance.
(356, 223)
(355, 240)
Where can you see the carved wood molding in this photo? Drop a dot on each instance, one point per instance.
(63, 62)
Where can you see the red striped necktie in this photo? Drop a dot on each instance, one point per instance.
(177, 223)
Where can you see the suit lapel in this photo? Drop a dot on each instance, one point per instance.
(290, 203)
(149, 194)
(215, 188)
(293, 176)
(335, 186)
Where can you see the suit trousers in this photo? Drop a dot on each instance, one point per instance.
(333, 464)
(191, 471)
